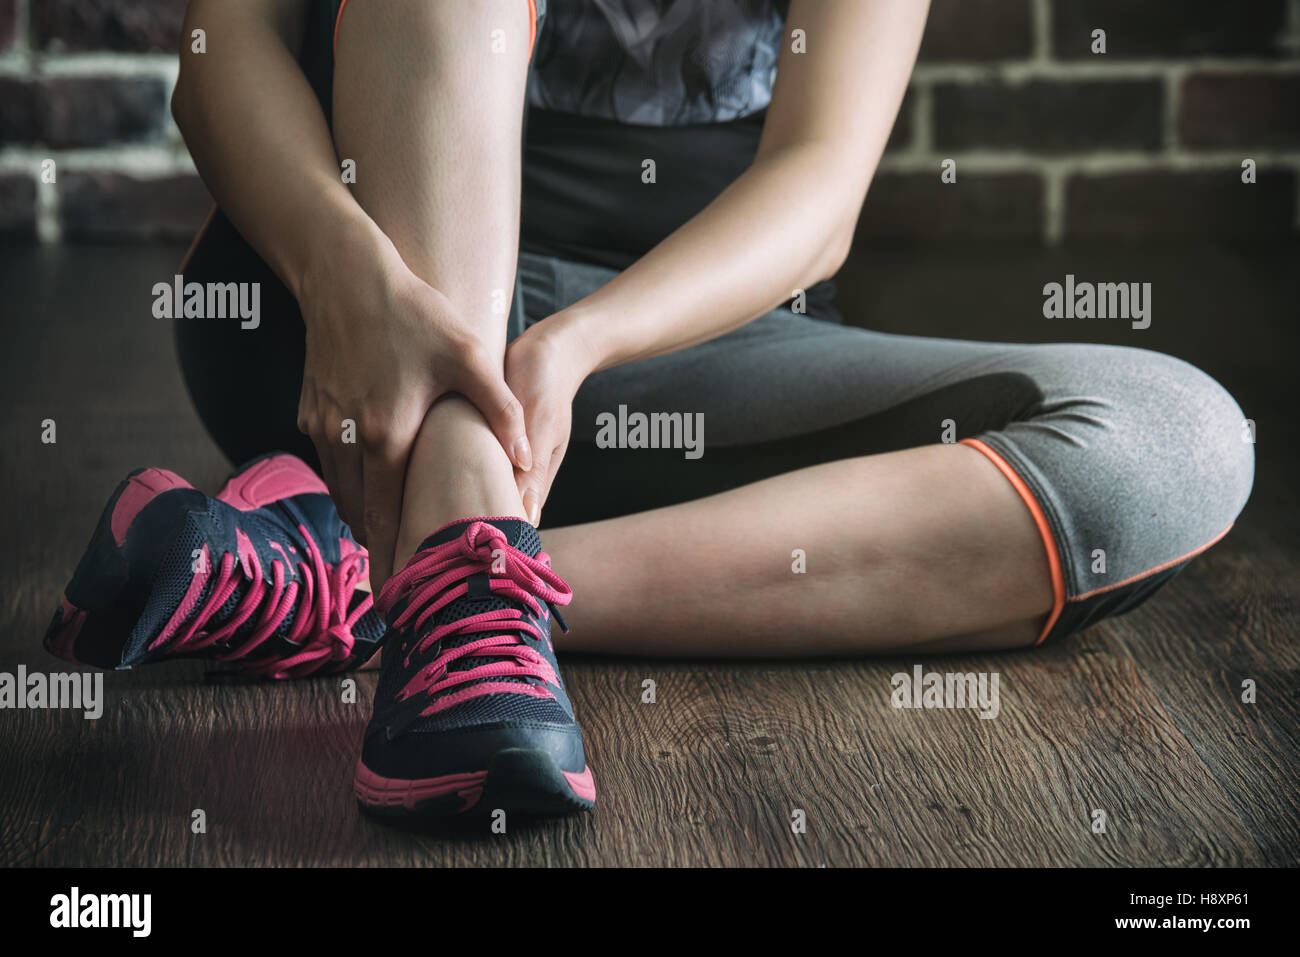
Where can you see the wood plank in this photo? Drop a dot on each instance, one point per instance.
(1141, 717)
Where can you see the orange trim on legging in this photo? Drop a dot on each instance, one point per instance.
(1044, 529)
(189, 254)
(532, 25)
(338, 18)
(1153, 570)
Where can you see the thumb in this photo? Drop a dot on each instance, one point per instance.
(488, 391)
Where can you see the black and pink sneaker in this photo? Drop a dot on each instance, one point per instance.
(265, 576)
(470, 711)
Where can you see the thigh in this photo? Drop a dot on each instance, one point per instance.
(244, 382)
(1130, 461)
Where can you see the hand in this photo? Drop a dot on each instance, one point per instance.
(544, 368)
(382, 347)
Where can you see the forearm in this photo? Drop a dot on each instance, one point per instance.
(788, 221)
(781, 226)
(259, 137)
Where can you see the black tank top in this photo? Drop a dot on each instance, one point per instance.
(617, 83)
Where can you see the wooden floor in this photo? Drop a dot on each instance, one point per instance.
(1140, 717)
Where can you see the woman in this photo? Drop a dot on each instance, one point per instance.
(681, 217)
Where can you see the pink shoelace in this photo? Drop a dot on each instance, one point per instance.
(322, 623)
(438, 576)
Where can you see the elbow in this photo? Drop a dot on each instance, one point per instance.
(835, 253)
(180, 100)
(184, 101)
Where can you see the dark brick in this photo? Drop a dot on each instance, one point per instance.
(132, 25)
(95, 206)
(1049, 115)
(1167, 29)
(18, 113)
(1211, 204)
(8, 23)
(1240, 109)
(89, 111)
(75, 111)
(17, 206)
(918, 206)
(978, 30)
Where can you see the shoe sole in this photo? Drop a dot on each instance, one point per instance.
(520, 780)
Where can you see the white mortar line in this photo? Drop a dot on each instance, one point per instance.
(999, 161)
(142, 161)
(1289, 41)
(48, 228)
(922, 119)
(1053, 205)
(1015, 72)
(108, 64)
(1173, 97)
(89, 64)
(1041, 13)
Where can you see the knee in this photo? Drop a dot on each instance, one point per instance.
(1196, 437)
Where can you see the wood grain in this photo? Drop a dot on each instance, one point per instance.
(1141, 717)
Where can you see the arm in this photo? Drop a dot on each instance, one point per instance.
(788, 221)
(784, 224)
(383, 341)
(259, 138)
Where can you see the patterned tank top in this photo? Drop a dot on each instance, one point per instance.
(658, 62)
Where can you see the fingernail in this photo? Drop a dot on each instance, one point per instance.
(523, 454)
(530, 506)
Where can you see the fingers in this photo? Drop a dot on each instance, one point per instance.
(310, 424)
(557, 459)
(335, 439)
(348, 473)
(535, 485)
(385, 477)
(485, 386)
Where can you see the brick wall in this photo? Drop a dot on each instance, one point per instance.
(1051, 141)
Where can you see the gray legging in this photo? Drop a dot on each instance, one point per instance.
(1131, 461)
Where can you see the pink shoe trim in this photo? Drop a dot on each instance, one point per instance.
(582, 783)
(70, 627)
(191, 598)
(376, 790)
(140, 491)
(279, 477)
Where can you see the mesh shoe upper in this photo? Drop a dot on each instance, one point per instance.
(273, 589)
(471, 613)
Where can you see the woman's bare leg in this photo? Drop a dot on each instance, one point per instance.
(927, 549)
(428, 102)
